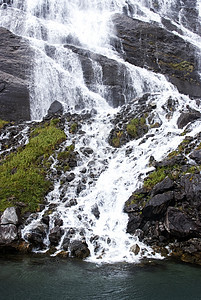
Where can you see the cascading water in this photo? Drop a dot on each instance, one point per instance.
(110, 176)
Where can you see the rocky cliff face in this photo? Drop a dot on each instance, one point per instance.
(159, 49)
(15, 64)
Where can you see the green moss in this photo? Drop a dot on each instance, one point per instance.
(134, 125)
(73, 128)
(116, 139)
(154, 178)
(23, 174)
(2, 123)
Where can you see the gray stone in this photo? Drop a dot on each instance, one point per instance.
(155, 48)
(55, 108)
(15, 65)
(157, 206)
(135, 249)
(8, 234)
(10, 216)
(179, 224)
(79, 249)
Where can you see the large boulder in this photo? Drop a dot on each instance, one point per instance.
(79, 249)
(55, 235)
(155, 48)
(10, 216)
(157, 206)
(8, 234)
(15, 65)
(179, 224)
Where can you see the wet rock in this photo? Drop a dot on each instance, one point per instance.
(8, 234)
(157, 206)
(179, 224)
(10, 216)
(166, 185)
(188, 117)
(79, 249)
(80, 188)
(55, 235)
(15, 64)
(191, 185)
(58, 222)
(63, 254)
(196, 155)
(134, 222)
(56, 108)
(66, 243)
(87, 151)
(37, 235)
(46, 220)
(113, 74)
(95, 211)
(71, 202)
(70, 177)
(135, 249)
(160, 51)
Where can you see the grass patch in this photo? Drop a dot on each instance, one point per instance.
(23, 174)
(3, 123)
(154, 178)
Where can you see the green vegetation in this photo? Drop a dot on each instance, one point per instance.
(134, 125)
(23, 174)
(116, 139)
(2, 123)
(154, 178)
(73, 128)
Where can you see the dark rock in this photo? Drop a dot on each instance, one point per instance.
(157, 206)
(46, 220)
(15, 66)
(37, 235)
(166, 185)
(10, 216)
(71, 202)
(66, 243)
(8, 234)
(58, 222)
(179, 224)
(186, 118)
(114, 75)
(191, 184)
(55, 235)
(70, 177)
(95, 211)
(134, 223)
(196, 155)
(87, 151)
(160, 51)
(79, 249)
(55, 108)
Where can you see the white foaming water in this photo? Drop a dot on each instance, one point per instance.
(58, 75)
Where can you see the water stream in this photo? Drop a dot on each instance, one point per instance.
(50, 24)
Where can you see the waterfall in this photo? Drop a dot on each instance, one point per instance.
(58, 74)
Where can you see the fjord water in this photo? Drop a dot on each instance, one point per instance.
(48, 279)
(57, 75)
